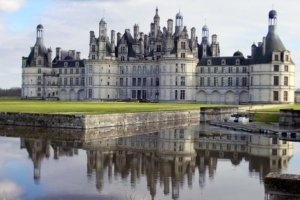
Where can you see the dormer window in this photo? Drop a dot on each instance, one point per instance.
(93, 48)
(237, 62)
(93, 57)
(276, 57)
(223, 62)
(122, 49)
(208, 62)
(158, 48)
(77, 64)
(183, 45)
(65, 64)
(287, 58)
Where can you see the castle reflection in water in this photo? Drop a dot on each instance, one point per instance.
(168, 158)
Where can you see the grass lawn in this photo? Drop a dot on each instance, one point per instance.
(276, 109)
(86, 107)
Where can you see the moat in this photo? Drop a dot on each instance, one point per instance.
(182, 161)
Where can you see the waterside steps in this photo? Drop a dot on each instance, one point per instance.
(291, 135)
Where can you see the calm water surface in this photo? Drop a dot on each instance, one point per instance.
(174, 163)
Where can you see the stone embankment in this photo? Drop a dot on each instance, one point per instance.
(289, 117)
(94, 121)
(282, 185)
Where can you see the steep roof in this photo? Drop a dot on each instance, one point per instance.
(42, 51)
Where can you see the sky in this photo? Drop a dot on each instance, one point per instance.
(67, 23)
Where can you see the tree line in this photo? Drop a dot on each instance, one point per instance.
(12, 92)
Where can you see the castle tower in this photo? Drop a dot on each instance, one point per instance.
(205, 42)
(156, 18)
(102, 39)
(178, 24)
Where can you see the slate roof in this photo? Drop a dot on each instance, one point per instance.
(273, 44)
(217, 61)
(42, 51)
(71, 63)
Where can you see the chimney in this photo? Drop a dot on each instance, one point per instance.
(58, 53)
(170, 27)
(78, 55)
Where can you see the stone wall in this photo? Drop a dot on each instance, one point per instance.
(216, 113)
(289, 117)
(94, 121)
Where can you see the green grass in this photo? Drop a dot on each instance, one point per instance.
(85, 107)
(266, 117)
(276, 109)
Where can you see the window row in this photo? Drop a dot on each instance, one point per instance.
(276, 80)
(223, 81)
(71, 71)
(276, 68)
(72, 81)
(276, 96)
(223, 70)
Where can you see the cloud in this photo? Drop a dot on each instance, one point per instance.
(9, 190)
(11, 5)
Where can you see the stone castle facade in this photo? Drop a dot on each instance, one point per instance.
(166, 65)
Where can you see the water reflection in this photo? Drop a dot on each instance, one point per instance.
(167, 159)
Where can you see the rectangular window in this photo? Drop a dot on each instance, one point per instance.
(82, 71)
(182, 67)
(134, 69)
(90, 80)
(126, 83)
(65, 81)
(286, 58)
(182, 45)
(182, 55)
(156, 81)
(82, 81)
(286, 81)
(151, 82)
(77, 81)
(201, 70)
(139, 82)
(216, 81)
(286, 68)
(90, 93)
(133, 94)
(139, 69)
(276, 57)
(182, 80)
(60, 71)
(274, 140)
(121, 81)
(223, 69)
(144, 94)
(144, 81)
(285, 96)
(276, 68)
(176, 94)
(71, 71)
(126, 69)
(182, 94)
(144, 69)
(158, 48)
(223, 81)
(90, 69)
(208, 70)
(244, 81)
(244, 69)
(77, 71)
(276, 80)
(133, 81)
(201, 81)
(283, 152)
(275, 96)
(237, 70)
(230, 69)
(274, 152)
(66, 71)
(229, 81)
(215, 69)
(121, 70)
(157, 69)
(208, 81)
(71, 81)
